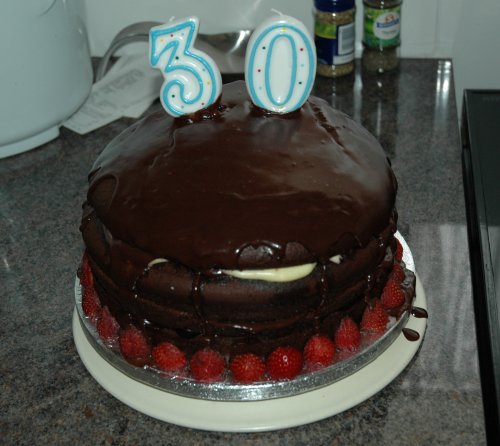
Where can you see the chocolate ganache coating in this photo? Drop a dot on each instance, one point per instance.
(175, 203)
(237, 187)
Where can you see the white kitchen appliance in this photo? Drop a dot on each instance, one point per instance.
(45, 70)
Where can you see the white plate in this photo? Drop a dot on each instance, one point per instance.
(254, 416)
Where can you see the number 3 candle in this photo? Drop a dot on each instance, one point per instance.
(280, 64)
(192, 79)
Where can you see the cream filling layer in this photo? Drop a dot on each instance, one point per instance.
(286, 274)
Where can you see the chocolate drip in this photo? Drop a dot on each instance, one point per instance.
(323, 284)
(323, 289)
(135, 287)
(411, 334)
(419, 312)
(197, 299)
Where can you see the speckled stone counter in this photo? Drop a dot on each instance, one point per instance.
(48, 397)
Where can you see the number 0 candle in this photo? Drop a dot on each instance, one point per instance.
(192, 79)
(280, 64)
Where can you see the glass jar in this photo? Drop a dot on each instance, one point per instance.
(381, 35)
(334, 36)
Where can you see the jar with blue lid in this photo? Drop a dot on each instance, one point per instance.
(334, 36)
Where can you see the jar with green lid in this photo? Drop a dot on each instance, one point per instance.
(334, 36)
(381, 35)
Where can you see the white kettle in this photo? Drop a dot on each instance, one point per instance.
(45, 70)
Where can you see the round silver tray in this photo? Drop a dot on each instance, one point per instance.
(226, 391)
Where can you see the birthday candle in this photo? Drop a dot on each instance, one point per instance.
(192, 79)
(280, 64)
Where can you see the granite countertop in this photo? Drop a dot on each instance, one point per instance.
(47, 395)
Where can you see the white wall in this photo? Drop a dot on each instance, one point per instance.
(428, 26)
(464, 31)
(106, 17)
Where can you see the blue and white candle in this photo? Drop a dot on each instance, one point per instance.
(280, 64)
(192, 78)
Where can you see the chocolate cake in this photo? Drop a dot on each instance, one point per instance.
(240, 229)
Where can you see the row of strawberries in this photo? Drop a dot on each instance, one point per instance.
(208, 365)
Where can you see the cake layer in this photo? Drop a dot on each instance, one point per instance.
(238, 188)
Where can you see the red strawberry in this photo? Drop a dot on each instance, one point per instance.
(134, 346)
(247, 368)
(85, 273)
(397, 273)
(392, 296)
(319, 352)
(374, 318)
(284, 363)
(107, 327)
(168, 357)
(399, 251)
(347, 336)
(207, 365)
(91, 304)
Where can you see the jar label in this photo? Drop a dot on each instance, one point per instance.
(334, 43)
(382, 26)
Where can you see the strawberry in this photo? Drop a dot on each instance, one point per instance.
(319, 352)
(107, 327)
(284, 363)
(397, 273)
(85, 273)
(374, 319)
(392, 296)
(168, 357)
(134, 346)
(91, 304)
(347, 336)
(207, 365)
(399, 251)
(247, 368)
